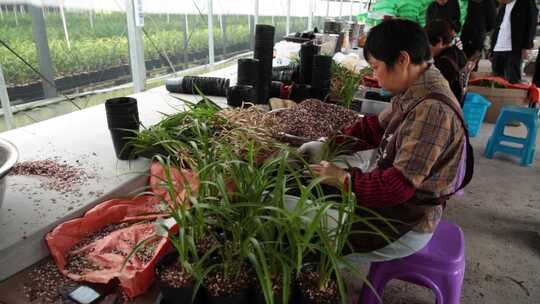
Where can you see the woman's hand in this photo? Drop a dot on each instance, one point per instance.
(335, 176)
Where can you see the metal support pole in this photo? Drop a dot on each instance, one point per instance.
(210, 33)
(350, 15)
(91, 17)
(186, 33)
(44, 58)
(256, 13)
(340, 8)
(223, 25)
(6, 106)
(64, 24)
(15, 13)
(136, 49)
(327, 8)
(310, 16)
(288, 23)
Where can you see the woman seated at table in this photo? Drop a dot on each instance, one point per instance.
(449, 59)
(421, 141)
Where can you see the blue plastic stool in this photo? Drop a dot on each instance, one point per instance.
(527, 116)
(474, 109)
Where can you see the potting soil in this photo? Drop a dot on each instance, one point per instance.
(93, 248)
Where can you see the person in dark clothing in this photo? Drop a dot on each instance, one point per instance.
(447, 10)
(480, 20)
(449, 59)
(512, 38)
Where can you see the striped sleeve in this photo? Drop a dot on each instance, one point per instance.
(381, 188)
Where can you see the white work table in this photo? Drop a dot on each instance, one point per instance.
(81, 139)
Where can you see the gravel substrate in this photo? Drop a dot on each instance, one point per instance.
(61, 177)
(308, 283)
(79, 263)
(45, 284)
(218, 286)
(173, 276)
(313, 119)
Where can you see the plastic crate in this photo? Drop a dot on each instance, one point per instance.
(474, 110)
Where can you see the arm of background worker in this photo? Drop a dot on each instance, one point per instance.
(380, 188)
(530, 31)
(367, 131)
(490, 13)
(422, 139)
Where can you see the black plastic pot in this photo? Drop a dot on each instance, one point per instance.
(301, 92)
(122, 147)
(275, 89)
(264, 32)
(213, 86)
(236, 95)
(123, 121)
(248, 74)
(307, 52)
(241, 298)
(172, 295)
(121, 105)
(264, 51)
(322, 74)
(332, 27)
(286, 76)
(127, 123)
(258, 298)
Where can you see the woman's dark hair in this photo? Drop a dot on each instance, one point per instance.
(387, 40)
(439, 30)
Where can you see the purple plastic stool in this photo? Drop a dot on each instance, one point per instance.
(440, 266)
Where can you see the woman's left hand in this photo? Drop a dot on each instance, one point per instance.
(335, 176)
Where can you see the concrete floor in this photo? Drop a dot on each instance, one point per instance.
(500, 216)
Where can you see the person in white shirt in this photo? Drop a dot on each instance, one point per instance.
(513, 37)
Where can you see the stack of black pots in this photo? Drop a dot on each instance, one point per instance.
(307, 51)
(212, 86)
(123, 121)
(248, 73)
(286, 74)
(239, 94)
(322, 74)
(301, 92)
(275, 89)
(332, 27)
(298, 92)
(264, 52)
